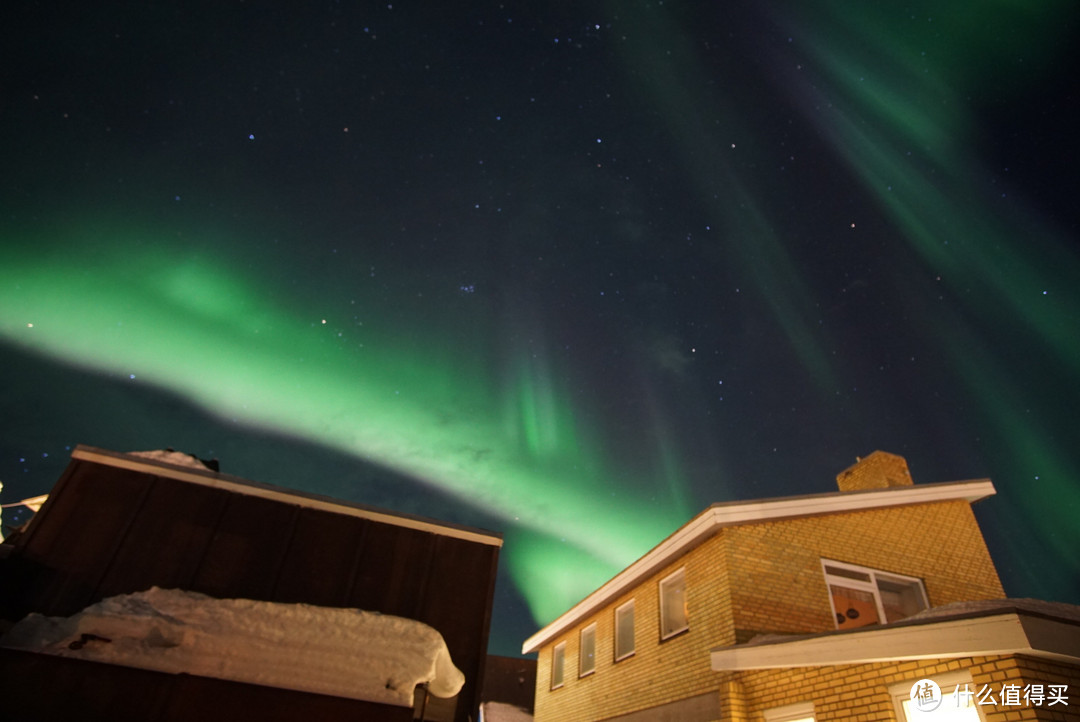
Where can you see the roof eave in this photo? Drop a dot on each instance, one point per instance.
(239, 485)
(996, 633)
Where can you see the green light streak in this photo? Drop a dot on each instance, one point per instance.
(1029, 446)
(551, 572)
(913, 158)
(887, 98)
(221, 340)
(663, 64)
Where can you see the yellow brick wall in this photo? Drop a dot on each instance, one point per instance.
(861, 692)
(1022, 671)
(658, 672)
(761, 578)
(776, 577)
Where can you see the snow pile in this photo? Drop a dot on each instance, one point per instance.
(176, 458)
(341, 652)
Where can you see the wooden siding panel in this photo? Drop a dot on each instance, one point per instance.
(319, 561)
(392, 570)
(457, 602)
(76, 541)
(29, 682)
(168, 540)
(247, 549)
(202, 698)
(95, 691)
(458, 586)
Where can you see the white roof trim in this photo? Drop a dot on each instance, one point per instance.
(736, 513)
(249, 488)
(996, 634)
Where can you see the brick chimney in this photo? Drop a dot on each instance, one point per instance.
(879, 470)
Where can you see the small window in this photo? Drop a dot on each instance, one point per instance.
(861, 596)
(673, 618)
(798, 712)
(558, 664)
(624, 631)
(588, 651)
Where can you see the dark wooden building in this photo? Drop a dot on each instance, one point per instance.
(118, 523)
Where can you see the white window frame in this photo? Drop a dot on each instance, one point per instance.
(622, 609)
(558, 665)
(669, 580)
(797, 712)
(584, 671)
(948, 682)
(871, 587)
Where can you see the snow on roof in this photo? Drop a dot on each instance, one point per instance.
(169, 456)
(954, 610)
(964, 629)
(341, 652)
(1059, 610)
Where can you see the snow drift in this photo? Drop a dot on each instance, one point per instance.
(341, 652)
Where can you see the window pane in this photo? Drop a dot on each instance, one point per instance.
(900, 599)
(624, 631)
(673, 604)
(588, 649)
(854, 608)
(557, 663)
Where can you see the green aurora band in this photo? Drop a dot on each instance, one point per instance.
(890, 89)
(889, 92)
(221, 341)
(892, 96)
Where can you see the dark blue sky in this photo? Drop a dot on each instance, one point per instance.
(569, 271)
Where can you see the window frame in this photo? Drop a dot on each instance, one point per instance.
(679, 574)
(625, 608)
(558, 665)
(796, 712)
(872, 587)
(582, 672)
(947, 681)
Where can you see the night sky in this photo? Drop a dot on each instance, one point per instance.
(570, 271)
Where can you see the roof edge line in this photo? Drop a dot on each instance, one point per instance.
(238, 485)
(1000, 634)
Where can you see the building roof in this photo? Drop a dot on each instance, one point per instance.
(1032, 627)
(738, 513)
(195, 473)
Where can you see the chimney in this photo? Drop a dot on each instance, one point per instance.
(880, 470)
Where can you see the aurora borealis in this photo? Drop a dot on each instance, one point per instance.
(571, 273)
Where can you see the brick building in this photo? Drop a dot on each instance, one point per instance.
(820, 607)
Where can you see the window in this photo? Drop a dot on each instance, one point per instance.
(862, 596)
(954, 700)
(673, 604)
(558, 663)
(624, 631)
(587, 655)
(798, 712)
